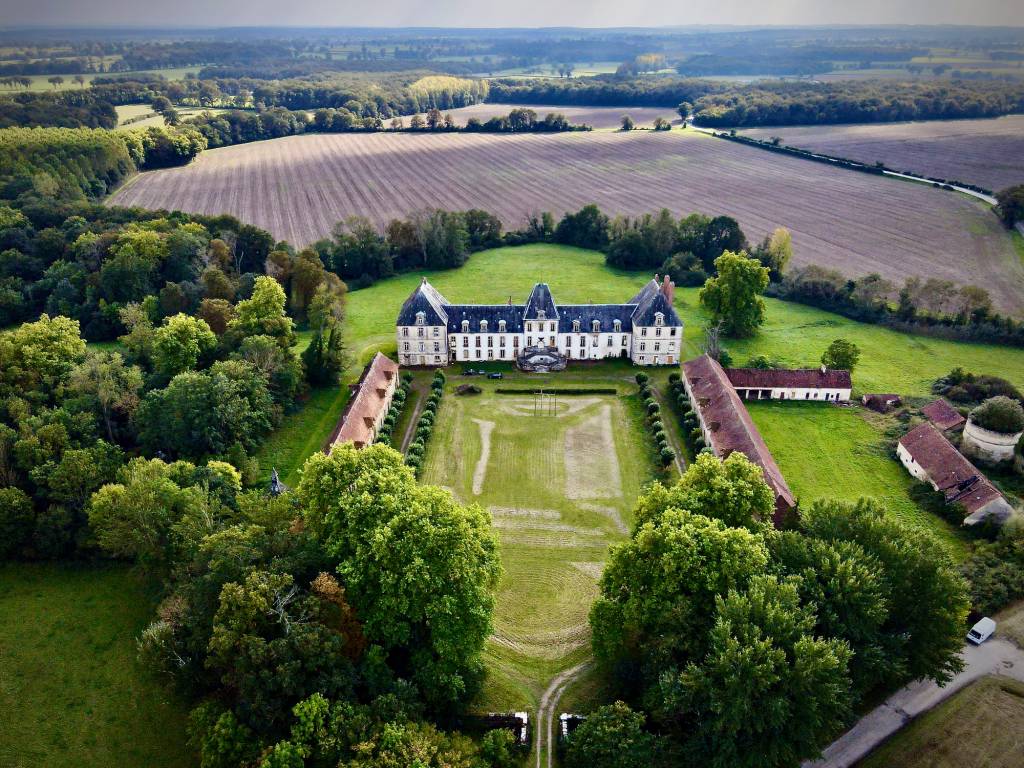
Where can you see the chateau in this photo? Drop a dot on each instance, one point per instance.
(646, 329)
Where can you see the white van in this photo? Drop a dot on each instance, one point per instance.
(981, 631)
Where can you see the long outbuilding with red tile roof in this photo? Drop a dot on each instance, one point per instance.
(727, 426)
(369, 404)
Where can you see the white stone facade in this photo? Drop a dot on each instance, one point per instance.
(645, 330)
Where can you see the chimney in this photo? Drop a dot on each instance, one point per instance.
(657, 278)
(823, 368)
(423, 280)
(668, 288)
(510, 299)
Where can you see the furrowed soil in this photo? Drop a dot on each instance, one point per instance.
(989, 152)
(299, 187)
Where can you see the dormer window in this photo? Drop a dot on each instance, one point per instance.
(541, 315)
(421, 318)
(483, 326)
(465, 326)
(575, 326)
(501, 326)
(659, 318)
(595, 326)
(617, 325)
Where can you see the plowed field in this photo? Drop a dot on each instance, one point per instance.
(298, 187)
(989, 152)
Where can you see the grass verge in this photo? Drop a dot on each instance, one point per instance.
(72, 692)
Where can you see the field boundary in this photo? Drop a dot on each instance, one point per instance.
(556, 391)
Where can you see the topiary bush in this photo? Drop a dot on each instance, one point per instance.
(642, 378)
(999, 414)
(667, 456)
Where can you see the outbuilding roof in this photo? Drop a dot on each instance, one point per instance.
(952, 474)
(730, 426)
(367, 402)
(789, 378)
(943, 415)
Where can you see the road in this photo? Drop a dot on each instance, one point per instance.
(995, 657)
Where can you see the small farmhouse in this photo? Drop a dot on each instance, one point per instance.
(369, 404)
(646, 329)
(943, 415)
(931, 458)
(727, 426)
(791, 384)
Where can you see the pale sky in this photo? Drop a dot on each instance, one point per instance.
(517, 13)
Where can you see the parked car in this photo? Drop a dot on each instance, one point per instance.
(495, 375)
(981, 631)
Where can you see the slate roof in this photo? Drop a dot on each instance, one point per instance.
(366, 403)
(956, 477)
(425, 298)
(943, 415)
(651, 304)
(638, 311)
(605, 314)
(540, 301)
(492, 313)
(796, 378)
(730, 425)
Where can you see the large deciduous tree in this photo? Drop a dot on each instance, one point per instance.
(180, 344)
(418, 567)
(841, 354)
(733, 296)
(768, 693)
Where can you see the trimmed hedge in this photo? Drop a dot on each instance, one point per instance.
(425, 425)
(395, 411)
(538, 391)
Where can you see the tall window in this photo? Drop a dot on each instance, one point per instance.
(501, 326)
(421, 318)
(465, 326)
(483, 326)
(595, 326)
(617, 325)
(659, 319)
(405, 331)
(575, 326)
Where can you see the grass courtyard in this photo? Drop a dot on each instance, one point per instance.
(560, 485)
(72, 692)
(826, 451)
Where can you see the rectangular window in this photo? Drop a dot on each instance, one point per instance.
(419, 332)
(625, 341)
(657, 331)
(657, 346)
(552, 341)
(643, 347)
(643, 331)
(406, 346)
(477, 341)
(465, 341)
(595, 340)
(490, 354)
(437, 346)
(490, 341)
(437, 331)
(529, 341)
(405, 331)
(609, 341)
(583, 341)
(451, 341)
(501, 341)
(422, 346)
(672, 331)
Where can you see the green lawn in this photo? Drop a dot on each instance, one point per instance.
(794, 334)
(982, 726)
(71, 690)
(825, 451)
(561, 488)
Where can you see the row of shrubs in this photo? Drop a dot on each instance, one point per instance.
(387, 428)
(691, 426)
(653, 420)
(425, 426)
(878, 168)
(555, 391)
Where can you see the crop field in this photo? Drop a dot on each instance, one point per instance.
(72, 691)
(596, 117)
(987, 152)
(979, 727)
(560, 483)
(299, 187)
(851, 459)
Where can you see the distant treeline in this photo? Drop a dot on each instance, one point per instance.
(717, 104)
(83, 163)
(931, 307)
(67, 109)
(790, 60)
(864, 101)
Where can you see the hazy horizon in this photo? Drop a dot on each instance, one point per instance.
(527, 14)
